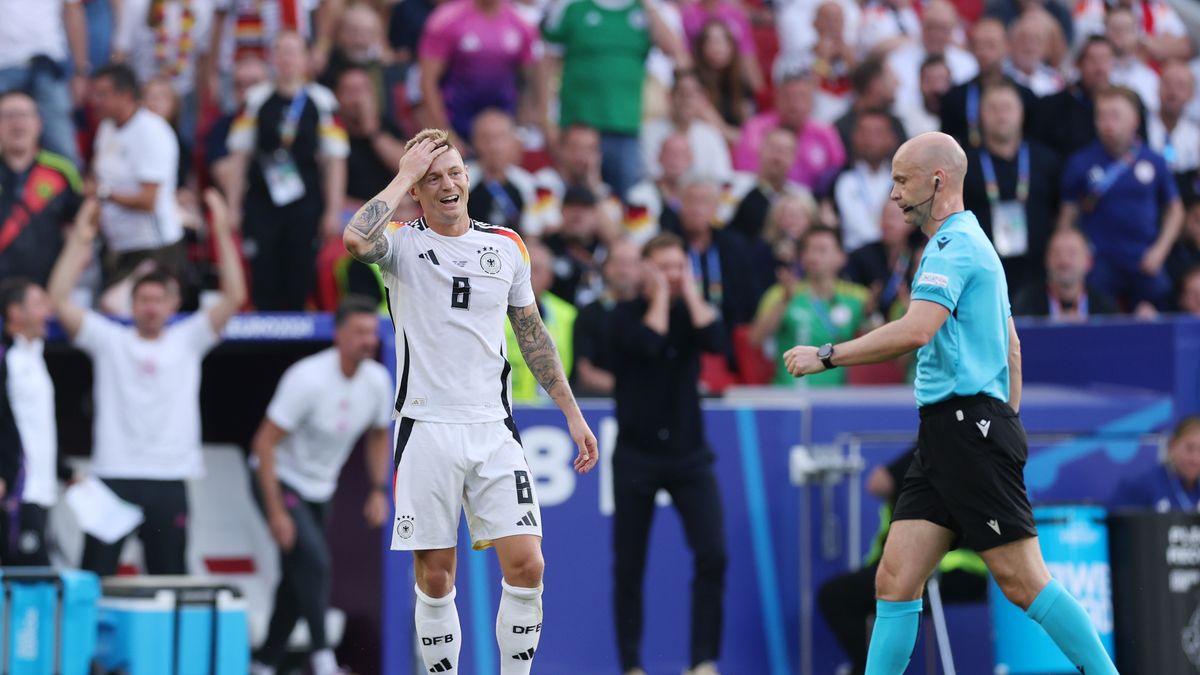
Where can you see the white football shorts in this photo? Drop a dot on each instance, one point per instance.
(441, 469)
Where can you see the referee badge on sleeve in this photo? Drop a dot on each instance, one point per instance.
(932, 279)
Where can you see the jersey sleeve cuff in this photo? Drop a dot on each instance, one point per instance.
(933, 296)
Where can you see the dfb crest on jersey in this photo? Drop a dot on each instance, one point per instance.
(405, 527)
(489, 260)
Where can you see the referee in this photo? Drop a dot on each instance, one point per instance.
(966, 484)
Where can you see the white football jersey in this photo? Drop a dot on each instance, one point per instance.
(449, 299)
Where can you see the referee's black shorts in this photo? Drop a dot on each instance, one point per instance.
(968, 473)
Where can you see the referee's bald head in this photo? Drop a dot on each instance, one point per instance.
(930, 152)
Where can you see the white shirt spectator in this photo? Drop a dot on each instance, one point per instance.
(1153, 18)
(660, 66)
(860, 194)
(147, 397)
(162, 50)
(143, 150)
(906, 64)
(917, 120)
(1141, 78)
(325, 413)
(882, 21)
(1043, 81)
(710, 152)
(1181, 148)
(251, 25)
(797, 36)
(32, 28)
(31, 395)
(549, 188)
(643, 211)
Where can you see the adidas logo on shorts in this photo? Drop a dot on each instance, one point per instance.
(442, 666)
(528, 520)
(524, 656)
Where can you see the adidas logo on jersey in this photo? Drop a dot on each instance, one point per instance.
(442, 666)
(430, 256)
(528, 520)
(524, 656)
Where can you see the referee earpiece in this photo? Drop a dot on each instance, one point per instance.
(937, 183)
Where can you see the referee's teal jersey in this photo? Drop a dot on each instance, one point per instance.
(969, 354)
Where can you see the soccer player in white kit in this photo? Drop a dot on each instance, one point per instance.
(450, 281)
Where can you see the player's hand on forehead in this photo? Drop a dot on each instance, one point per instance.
(417, 160)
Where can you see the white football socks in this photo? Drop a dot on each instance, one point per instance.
(439, 632)
(323, 662)
(518, 628)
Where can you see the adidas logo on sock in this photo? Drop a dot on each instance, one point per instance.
(524, 656)
(528, 520)
(442, 666)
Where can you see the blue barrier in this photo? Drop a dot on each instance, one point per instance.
(763, 598)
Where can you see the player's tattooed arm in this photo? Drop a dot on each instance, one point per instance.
(540, 353)
(370, 225)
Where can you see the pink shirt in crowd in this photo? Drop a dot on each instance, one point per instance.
(696, 15)
(819, 151)
(483, 55)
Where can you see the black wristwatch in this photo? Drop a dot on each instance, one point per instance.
(825, 353)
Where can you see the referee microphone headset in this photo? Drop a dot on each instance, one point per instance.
(937, 182)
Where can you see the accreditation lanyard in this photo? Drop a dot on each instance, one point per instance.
(291, 121)
(502, 199)
(973, 115)
(714, 290)
(823, 314)
(899, 272)
(1114, 171)
(989, 175)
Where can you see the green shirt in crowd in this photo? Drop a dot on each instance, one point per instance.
(604, 48)
(810, 320)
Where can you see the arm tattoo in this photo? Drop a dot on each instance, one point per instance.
(538, 349)
(369, 223)
(379, 249)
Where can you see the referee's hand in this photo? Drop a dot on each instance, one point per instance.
(801, 360)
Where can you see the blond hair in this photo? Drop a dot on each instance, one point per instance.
(440, 137)
(802, 198)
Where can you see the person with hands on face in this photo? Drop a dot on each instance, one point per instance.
(450, 280)
(323, 404)
(659, 338)
(147, 388)
(966, 485)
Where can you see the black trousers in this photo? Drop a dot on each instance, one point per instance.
(693, 489)
(163, 532)
(304, 581)
(23, 535)
(281, 244)
(848, 600)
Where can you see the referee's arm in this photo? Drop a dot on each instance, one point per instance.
(908, 333)
(1014, 367)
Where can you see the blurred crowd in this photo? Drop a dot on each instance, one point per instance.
(760, 132)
